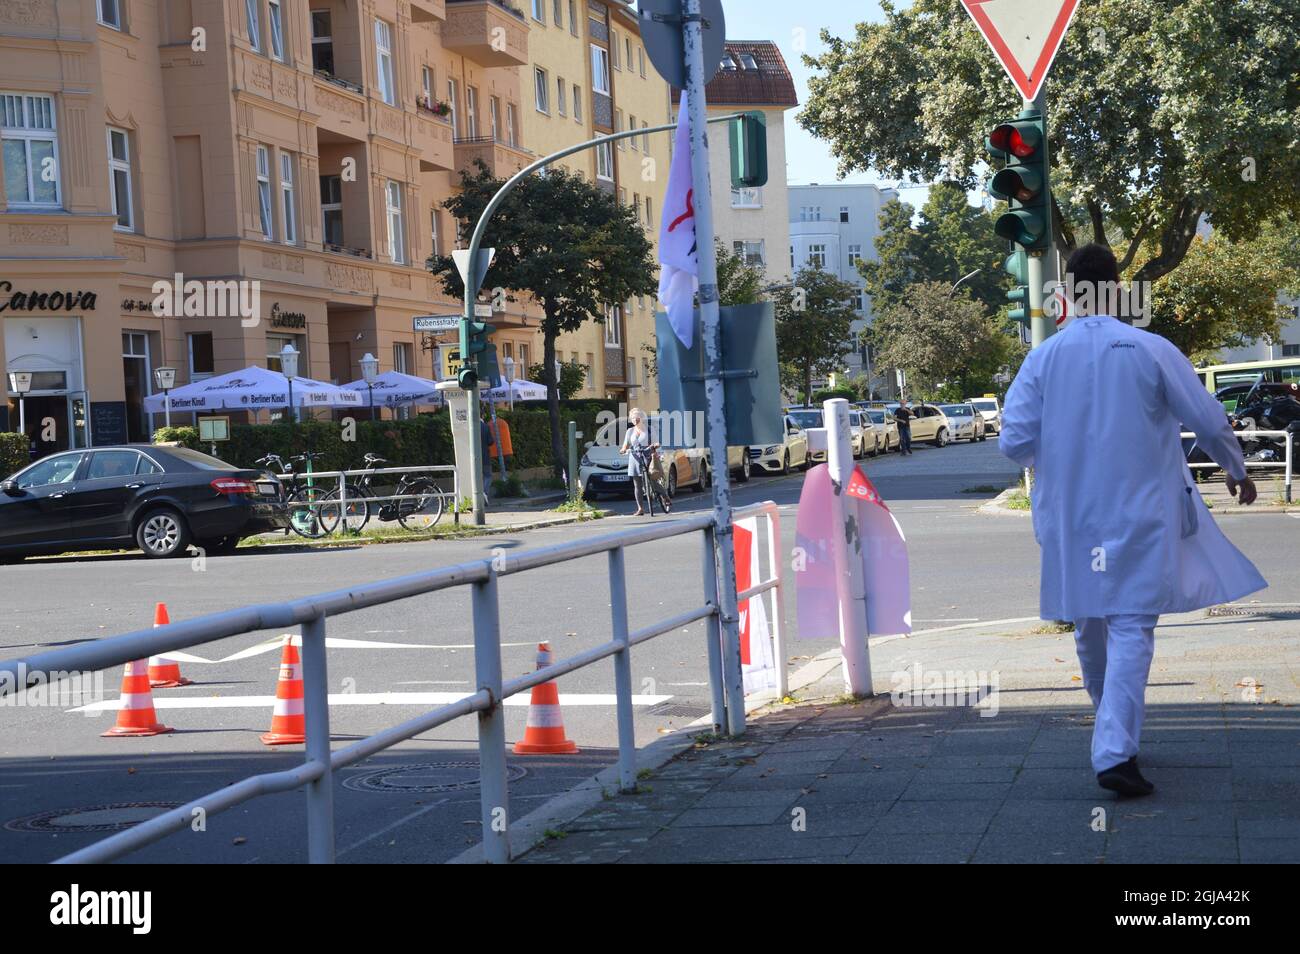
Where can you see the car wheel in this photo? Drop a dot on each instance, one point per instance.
(745, 470)
(672, 481)
(941, 438)
(162, 533)
(785, 464)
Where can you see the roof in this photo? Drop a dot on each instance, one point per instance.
(767, 83)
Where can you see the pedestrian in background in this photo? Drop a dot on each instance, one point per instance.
(1096, 411)
(640, 451)
(903, 415)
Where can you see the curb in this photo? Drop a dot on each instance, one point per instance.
(996, 505)
(468, 532)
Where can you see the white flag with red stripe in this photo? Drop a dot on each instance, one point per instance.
(678, 251)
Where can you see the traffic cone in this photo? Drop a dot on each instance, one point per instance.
(135, 715)
(288, 723)
(164, 673)
(544, 734)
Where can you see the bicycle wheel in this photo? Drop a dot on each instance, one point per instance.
(356, 512)
(422, 510)
(307, 515)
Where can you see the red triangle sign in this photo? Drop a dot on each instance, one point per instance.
(1024, 35)
(862, 488)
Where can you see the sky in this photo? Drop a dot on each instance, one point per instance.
(795, 26)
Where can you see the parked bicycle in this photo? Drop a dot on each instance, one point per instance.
(307, 514)
(419, 508)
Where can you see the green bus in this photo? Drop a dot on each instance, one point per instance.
(1277, 371)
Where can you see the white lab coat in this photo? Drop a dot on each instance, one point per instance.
(1096, 412)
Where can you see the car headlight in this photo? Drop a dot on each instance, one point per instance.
(768, 451)
(586, 461)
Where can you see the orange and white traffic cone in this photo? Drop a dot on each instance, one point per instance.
(135, 715)
(544, 734)
(288, 721)
(164, 673)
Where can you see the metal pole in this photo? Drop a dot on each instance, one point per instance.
(1289, 458)
(22, 415)
(776, 559)
(491, 723)
(167, 402)
(622, 671)
(711, 339)
(316, 707)
(713, 634)
(343, 502)
(574, 487)
(846, 547)
(1040, 326)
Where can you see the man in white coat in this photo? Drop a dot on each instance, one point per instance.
(1096, 412)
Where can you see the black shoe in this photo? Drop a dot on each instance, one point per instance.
(1125, 779)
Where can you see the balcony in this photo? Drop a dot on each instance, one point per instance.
(489, 32)
(341, 106)
(502, 160)
(428, 11)
(431, 138)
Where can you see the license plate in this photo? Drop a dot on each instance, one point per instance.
(622, 478)
(267, 489)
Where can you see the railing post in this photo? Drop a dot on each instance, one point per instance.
(1290, 459)
(316, 708)
(713, 633)
(775, 559)
(343, 501)
(495, 811)
(622, 672)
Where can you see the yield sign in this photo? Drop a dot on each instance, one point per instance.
(1024, 35)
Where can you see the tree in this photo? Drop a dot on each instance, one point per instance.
(573, 377)
(947, 344)
(1161, 112)
(570, 245)
(812, 327)
(951, 239)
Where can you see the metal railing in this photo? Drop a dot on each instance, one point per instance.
(340, 479)
(310, 613)
(1287, 462)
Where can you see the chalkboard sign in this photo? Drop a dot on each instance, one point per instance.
(108, 423)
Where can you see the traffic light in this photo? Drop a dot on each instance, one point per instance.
(748, 150)
(473, 342)
(1022, 182)
(1017, 266)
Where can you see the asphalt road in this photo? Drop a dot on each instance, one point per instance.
(418, 802)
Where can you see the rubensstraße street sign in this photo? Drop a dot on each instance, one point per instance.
(661, 32)
(1024, 35)
(436, 322)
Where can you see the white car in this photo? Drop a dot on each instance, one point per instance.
(804, 418)
(868, 436)
(780, 458)
(990, 410)
(603, 468)
(884, 421)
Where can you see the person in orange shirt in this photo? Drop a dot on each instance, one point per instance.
(503, 445)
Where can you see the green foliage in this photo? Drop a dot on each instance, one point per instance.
(738, 283)
(947, 345)
(568, 244)
(827, 394)
(573, 377)
(812, 327)
(14, 453)
(1160, 112)
(510, 487)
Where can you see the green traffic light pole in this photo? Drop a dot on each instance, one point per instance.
(473, 280)
(1040, 329)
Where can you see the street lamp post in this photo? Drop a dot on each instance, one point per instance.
(289, 368)
(369, 371)
(508, 364)
(21, 382)
(165, 379)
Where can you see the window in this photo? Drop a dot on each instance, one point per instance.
(557, 13)
(631, 124)
(622, 196)
(402, 357)
(1291, 350)
(433, 232)
(110, 13)
(573, 17)
(613, 332)
(747, 198)
(119, 178)
(384, 62)
(577, 103)
(859, 300)
(810, 213)
(331, 209)
(254, 24)
(322, 42)
(728, 63)
(747, 61)
(844, 213)
(275, 345)
(539, 11)
(817, 255)
(115, 463)
(649, 217)
(752, 253)
(590, 377)
(29, 141)
(627, 51)
(277, 29)
(396, 233)
(510, 123)
(640, 60)
(560, 98)
(52, 470)
(613, 49)
(636, 206)
(471, 112)
(426, 85)
(599, 69)
(541, 90)
(200, 351)
(288, 207)
(523, 356)
(494, 116)
(855, 255)
(645, 138)
(604, 162)
(264, 192)
(453, 100)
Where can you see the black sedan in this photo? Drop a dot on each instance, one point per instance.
(159, 499)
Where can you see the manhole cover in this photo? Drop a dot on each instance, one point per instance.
(114, 817)
(679, 710)
(425, 777)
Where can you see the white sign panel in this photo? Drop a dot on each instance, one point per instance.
(1024, 35)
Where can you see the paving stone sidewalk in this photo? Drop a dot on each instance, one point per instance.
(877, 781)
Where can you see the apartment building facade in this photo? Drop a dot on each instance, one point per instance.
(301, 149)
(589, 76)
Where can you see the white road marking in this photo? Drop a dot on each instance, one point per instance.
(368, 699)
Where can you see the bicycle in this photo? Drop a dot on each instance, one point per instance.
(419, 508)
(307, 517)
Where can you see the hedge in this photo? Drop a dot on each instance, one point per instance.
(14, 453)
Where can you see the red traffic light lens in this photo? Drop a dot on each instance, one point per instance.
(1007, 138)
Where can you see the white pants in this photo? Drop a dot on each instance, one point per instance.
(1115, 654)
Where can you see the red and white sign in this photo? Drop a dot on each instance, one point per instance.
(1024, 35)
(758, 667)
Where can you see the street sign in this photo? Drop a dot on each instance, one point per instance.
(482, 310)
(461, 257)
(436, 322)
(1024, 35)
(661, 32)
